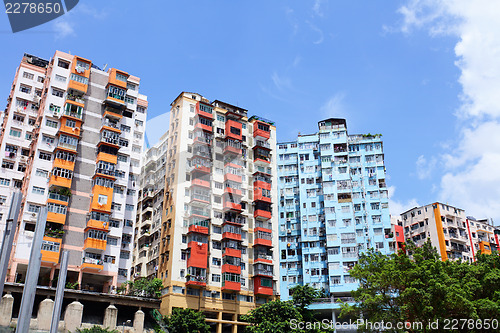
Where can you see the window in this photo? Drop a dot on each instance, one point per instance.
(15, 133)
(220, 117)
(125, 128)
(215, 277)
(114, 224)
(138, 122)
(28, 76)
(60, 172)
(124, 254)
(216, 261)
(4, 181)
(38, 190)
(7, 165)
(128, 207)
(79, 78)
(25, 89)
(51, 123)
(129, 100)
(57, 92)
(63, 64)
(131, 86)
(116, 206)
(47, 139)
(121, 77)
(103, 199)
(45, 156)
(112, 241)
(56, 208)
(70, 123)
(50, 246)
(122, 158)
(60, 78)
(40, 79)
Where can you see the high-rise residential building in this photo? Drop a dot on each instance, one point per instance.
(333, 205)
(149, 209)
(219, 233)
(450, 231)
(72, 136)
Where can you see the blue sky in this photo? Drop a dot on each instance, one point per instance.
(423, 73)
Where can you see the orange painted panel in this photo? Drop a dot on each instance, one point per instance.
(199, 182)
(78, 86)
(233, 150)
(232, 205)
(203, 127)
(257, 195)
(101, 190)
(262, 184)
(51, 256)
(230, 285)
(92, 243)
(264, 214)
(232, 177)
(439, 229)
(263, 242)
(259, 289)
(227, 268)
(232, 253)
(60, 181)
(112, 78)
(94, 224)
(91, 267)
(56, 217)
(59, 163)
(198, 255)
(107, 158)
(59, 202)
(198, 228)
(85, 72)
(231, 235)
(260, 133)
(231, 123)
(73, 131)
(230, 190)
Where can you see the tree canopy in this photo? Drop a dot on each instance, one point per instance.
(145, 287)
(417, 286)
(185, 321)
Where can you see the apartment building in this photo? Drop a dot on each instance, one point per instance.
(147, 230)
(450, 231)
(71, 140)
(219, 234)
(333, 205)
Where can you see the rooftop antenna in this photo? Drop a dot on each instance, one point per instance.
(69, 52)
(104, 68)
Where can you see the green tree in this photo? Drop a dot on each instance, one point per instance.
(96, 329)
(145, 287)
(302, 297)
(186, 321)
(418, 287)
(272, 317)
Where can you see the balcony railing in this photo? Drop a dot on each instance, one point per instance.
(92, 261)
(59, 197)
(66, 145)
(75, 99)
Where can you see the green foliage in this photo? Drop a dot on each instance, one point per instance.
(96, 329)
(70, 285)
(302, 297)
(185, 321)
(419, 287)
(272, 317)
(278, 316)
(145, 287)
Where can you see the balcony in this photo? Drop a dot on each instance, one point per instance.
(232, 150)
(231, 286)
(62, 199)
(75, 99)
(91, 264)
(232, 191)
(261, 130)
(231, 252)
(95, 244)
(198, 229)
(263, 238)
(231, 235)
(232, 206)
(262, 214)
(199, 168)
(260, 289)
(263, 258)
(204, 127)
(228, 268)
(232, 177)
(192, 280)
(263, 272)
(51, 255)
(200, 182)
(204, 110)
(67, 146)
(262, 144)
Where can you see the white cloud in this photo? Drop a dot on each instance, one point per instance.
(335, 106)
(156, 127)
(425, 167)
(281, 82)
(317, 8)
(470, 180)
(397, 207)
(314, 28)
(63, 29)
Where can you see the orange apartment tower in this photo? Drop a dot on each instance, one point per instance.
(219, 235)
(71, 139)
